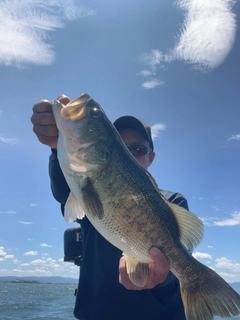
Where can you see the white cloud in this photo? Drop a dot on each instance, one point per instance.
(156, 129)
(4, 255)
(201, 255)
(45, 245)
(227, 265)
(25, 265)
(206, 37)
(45, 262)
(25, 222)
(153, 60)
(4, 139)
(33, 204)
(207, 34)
(234, 221)
(216, 221)
(151, 84)
(31, 253)
(45, 254)
(2, 252)
(210, 247)
(8, 212)
(25, 32)
(144, 73)
(235, 137)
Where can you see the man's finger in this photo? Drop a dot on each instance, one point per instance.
(161, 264)
(43, 119)
(42, 106)
(63, 99)
(50, 131)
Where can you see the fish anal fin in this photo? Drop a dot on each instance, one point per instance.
(73, 209)
(91, 200)
(138, 272)
(190, 226)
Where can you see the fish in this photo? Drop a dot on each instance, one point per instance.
(123, 202)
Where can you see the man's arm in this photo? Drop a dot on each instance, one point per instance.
(59, 186)
(44, 126)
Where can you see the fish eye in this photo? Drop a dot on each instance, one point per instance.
(95, 112)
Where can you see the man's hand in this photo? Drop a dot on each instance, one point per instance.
(159, 271)
(44, 125)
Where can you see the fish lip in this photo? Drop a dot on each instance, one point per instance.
(74, 110)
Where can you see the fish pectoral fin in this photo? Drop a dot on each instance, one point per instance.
(91, 200)
(73, 210)
(138, 272)
(190, 226)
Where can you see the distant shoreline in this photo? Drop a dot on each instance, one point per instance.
(38, 280)
(35, 282)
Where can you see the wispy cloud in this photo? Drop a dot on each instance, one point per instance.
(151, 84)
(206, 37)
(24, 35)
(156, 129)
(207, 34)
(45, 245)
(31, 253)
(5, 139)
(153, 60)
(216, 221)
(8, 212)
(234, 221)
(235, 137)
(25, 222)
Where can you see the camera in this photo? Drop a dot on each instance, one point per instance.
(72, 239)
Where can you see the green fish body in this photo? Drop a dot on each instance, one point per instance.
(123, 202)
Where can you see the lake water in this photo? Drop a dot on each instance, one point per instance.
(38, 301)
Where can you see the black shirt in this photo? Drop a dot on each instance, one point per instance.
(100, 296)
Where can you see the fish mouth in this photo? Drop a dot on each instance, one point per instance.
(76, 109)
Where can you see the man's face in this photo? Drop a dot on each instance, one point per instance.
(133, 137)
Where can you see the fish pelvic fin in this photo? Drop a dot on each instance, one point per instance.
(190, 226)
(212, 296)
(91, 200)
(73, 209)
(138, 272)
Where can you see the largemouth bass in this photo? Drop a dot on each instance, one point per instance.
(124, 204)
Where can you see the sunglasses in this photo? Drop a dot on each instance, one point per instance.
(139, 150)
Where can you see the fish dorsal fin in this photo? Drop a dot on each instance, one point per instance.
(152, 180)
(73, 209)
(91, 200)
(190, 226)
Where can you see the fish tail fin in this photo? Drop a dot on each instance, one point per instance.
(212, 296)
(138, 272)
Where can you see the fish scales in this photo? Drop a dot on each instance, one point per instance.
(124, 204)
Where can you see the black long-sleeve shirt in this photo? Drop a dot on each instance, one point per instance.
(100, 296)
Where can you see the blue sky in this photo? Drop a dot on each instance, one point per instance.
(174, 64)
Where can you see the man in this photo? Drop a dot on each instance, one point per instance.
(105, 291)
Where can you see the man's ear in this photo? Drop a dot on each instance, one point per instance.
(151, 157)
